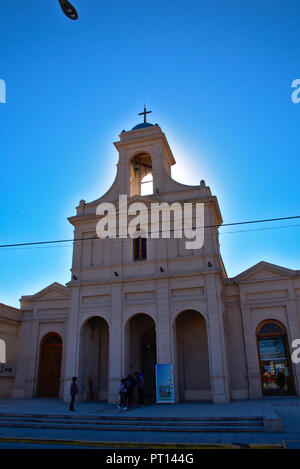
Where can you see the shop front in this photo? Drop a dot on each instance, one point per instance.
(274, 359)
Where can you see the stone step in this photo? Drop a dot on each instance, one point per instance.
(138, 423)
(147, 428)
(131, 423)
(129, 417)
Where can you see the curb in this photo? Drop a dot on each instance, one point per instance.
(135, 445)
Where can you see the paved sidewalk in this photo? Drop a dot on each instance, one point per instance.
(287, 408)
(242, 408)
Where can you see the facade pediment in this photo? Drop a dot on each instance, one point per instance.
(52, 294)
(55, 291)
(264, 271)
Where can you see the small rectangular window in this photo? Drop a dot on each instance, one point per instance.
(139, 248)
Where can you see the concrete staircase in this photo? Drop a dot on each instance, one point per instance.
(127, 423)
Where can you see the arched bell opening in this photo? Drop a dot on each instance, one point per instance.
(141, 178)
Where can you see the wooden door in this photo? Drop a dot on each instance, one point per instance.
(148, 362)
(50, 366)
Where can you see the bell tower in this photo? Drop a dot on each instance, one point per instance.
(145, 159)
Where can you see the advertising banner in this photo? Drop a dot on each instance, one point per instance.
(164, 384)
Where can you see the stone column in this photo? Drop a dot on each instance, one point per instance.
(164, 329)
(72, 342)
(33, 362)
(158, 169)
(253, 373)
(216, 342)
(115, 343)
(22, 358)
(123, 172)
(175, 360)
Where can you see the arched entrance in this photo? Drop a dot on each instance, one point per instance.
(274, 359)
(93, 360)
(140, 341)
(192, 357)
(50, 365)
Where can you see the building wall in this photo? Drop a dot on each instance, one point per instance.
(9, 329)
(267, 292)
(162, 301)
(44, 312)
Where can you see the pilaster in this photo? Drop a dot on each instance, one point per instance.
(72, 342)
(216, 342)
(163, 331)
(115, 344)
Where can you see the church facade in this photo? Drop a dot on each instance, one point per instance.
(132, 303)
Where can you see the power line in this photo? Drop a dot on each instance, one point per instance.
(222, 233)
(205, 227)
(13, 248)
(258, 229)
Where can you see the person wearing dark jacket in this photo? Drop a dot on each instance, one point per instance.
(123, 395)
(130, 387)
(140, 384)
(281, 379)
(73, 391)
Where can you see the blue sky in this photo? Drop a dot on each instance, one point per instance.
(217, 75)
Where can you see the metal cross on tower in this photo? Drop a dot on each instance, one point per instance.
(144, 113)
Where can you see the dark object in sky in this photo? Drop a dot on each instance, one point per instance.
(68, 9)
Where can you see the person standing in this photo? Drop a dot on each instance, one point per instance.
(281, 380)
(123, 395)
(140, 384)
(73, 391)
(129, 386)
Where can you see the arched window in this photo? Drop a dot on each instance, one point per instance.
(139, 248)
(2, 351)
(274, 359)
(273, 328)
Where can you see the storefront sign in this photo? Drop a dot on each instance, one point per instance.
(271, 349)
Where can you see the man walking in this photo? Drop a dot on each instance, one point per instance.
(73, 391)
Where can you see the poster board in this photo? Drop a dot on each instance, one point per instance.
(164, 384)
